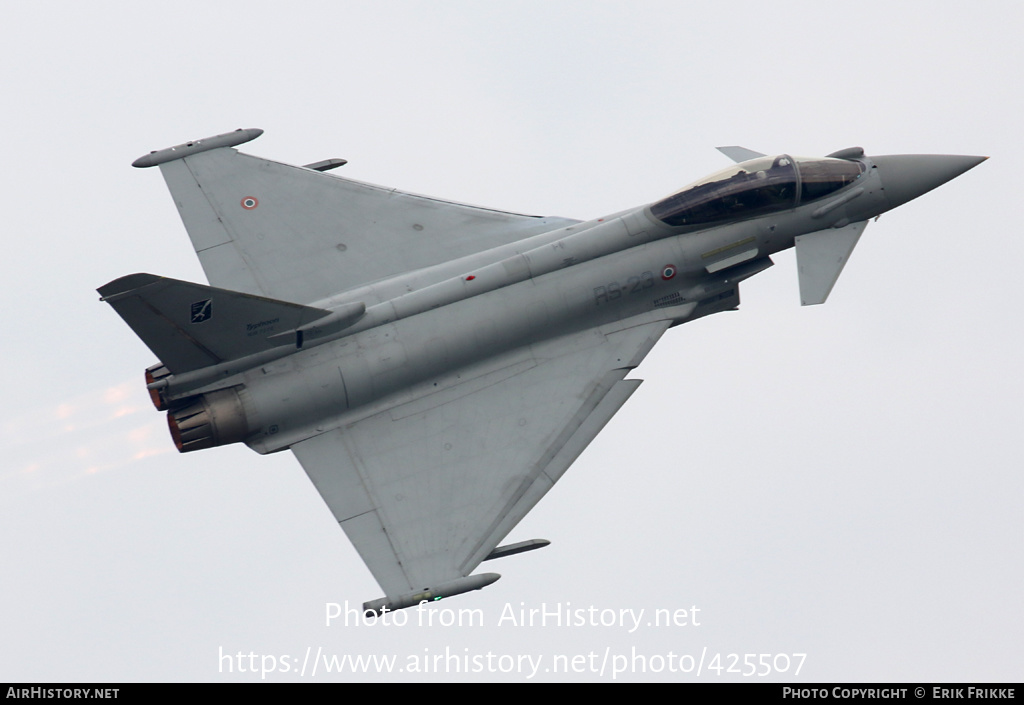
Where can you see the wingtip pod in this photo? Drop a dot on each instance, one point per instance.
(449, 589)
(228, 139)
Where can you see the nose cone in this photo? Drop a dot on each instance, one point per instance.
(907, 176)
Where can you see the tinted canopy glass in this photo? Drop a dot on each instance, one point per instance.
(751, 188)
(820, 177)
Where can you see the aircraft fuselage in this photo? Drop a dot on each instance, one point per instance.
(575, 279)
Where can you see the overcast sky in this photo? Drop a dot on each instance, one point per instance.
(841, 481)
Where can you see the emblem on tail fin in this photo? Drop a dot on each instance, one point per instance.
(202, 310)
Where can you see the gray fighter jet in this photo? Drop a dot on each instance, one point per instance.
(436, 367)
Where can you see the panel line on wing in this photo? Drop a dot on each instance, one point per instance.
(540, 466)
(341, 478)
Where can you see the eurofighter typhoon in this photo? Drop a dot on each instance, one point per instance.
(436, 367)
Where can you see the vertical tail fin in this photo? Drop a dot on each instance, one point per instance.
(191, 326)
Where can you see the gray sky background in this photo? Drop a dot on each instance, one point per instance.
(841, 481)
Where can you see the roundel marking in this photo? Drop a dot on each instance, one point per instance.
(248, 203)
(668, 271)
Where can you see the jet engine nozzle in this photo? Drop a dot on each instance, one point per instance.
(209, 420)
(907, 176)
(154, 374)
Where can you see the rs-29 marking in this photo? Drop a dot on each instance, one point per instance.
(613, 290)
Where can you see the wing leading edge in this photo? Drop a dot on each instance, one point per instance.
(425, 490)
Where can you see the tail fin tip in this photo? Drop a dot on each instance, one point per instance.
(122, 285)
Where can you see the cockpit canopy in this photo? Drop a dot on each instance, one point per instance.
(755, 187)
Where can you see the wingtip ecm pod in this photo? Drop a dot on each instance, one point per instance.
(228, 139)
(448, 589)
